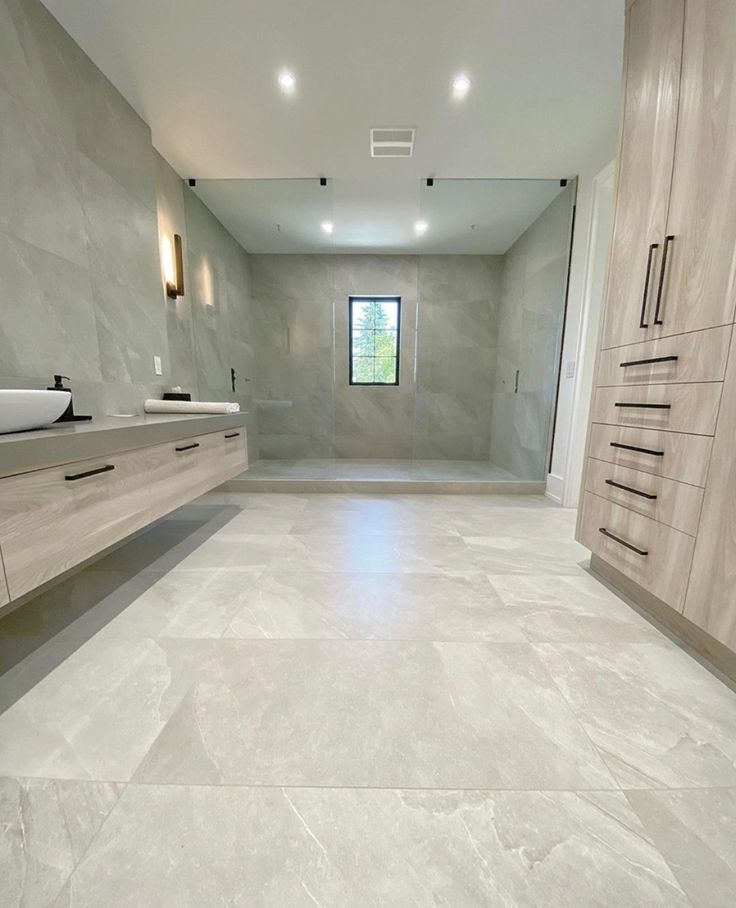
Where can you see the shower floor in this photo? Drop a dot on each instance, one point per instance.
(326, 475)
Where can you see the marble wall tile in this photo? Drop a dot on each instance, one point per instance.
(47, 826)
(48, 320)
(459, 277)
(356, 275)
(291, 277)
(39, 184)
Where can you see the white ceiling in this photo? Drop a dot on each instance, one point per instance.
(545, 85)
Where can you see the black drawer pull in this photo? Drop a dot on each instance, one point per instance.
(194, 444)
(617, 485)
(233, 435)
(667, 242)
(644, 406)
(76, 476)
(628, 545)
(642, 323)
(649, 362)
(617, 444)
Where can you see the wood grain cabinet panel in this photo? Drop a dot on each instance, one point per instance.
(675, 504)
(677, 408)
(673, 455)
(694, 357)
(699, 288)
(653, 51)
(653, 555)
(53, 519)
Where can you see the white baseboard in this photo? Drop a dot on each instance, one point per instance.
(555, 485)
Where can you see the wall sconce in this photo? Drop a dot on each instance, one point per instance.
(175, 282)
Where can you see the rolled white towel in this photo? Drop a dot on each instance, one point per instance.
(190, 406)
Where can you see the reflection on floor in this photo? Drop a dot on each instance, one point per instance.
(432, 476)
(358, 700)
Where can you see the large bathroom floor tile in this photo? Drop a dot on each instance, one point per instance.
(176, 846)
(659, 718)
(356, 713)
(379, 606)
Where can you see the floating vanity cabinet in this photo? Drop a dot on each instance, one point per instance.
(55, 518)
(658, 506)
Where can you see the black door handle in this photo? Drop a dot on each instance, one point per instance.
(187, 447)
(233, 435)
(644, 406)
(617, 444)
(623, 542)
(649, 362)
(74, 477)
(645, 295)
(667, 242)
(617, 485)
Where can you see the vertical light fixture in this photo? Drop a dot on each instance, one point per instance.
(175, 282)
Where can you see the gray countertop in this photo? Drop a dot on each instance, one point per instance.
(21, 452)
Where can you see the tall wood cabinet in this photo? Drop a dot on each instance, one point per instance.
(659, 498)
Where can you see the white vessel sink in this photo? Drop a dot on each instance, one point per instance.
(20, 409)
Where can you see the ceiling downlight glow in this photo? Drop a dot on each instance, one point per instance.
(327, 226)
(420, 227)
(287, 81)
(460, 86)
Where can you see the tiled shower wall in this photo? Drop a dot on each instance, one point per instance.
(442, 407)
(83, 200)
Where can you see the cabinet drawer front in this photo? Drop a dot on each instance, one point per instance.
(663, 570)
(53, 519)
(676, 456)
(677, 408)
(696, 357)
(675, 504)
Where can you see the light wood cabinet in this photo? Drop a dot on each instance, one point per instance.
(677, 408)
(56, 518)
(652, 75)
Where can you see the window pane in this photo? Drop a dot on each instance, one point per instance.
(387, 315)
(385, 343)
(363, 343)
(385, 369)
(362, 314)
(362, 369)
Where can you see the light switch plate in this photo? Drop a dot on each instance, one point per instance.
(157, 365)
(570, 369)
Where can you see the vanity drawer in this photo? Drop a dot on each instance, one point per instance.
(696, 357)
(52, 519)
(651, 554)
(675, 504)
(689, 408)
(676, 456)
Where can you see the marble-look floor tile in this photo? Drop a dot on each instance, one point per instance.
(239, 552)
(371, 554)
(659, 718)
(93, 712)
(375, 714)
(525, 523)
(305, 847)
(374, 522)
(252, 521)
(374, 606)
(696, 833)
(46, 826)
(517, 555)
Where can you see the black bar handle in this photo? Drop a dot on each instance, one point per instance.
(76, 476)
(623, 542)
(617, 444)
(617, 485)
(649, 362)
(232, 435)
(660, 288)
(194, 444)
(644, 406)
(642, 323)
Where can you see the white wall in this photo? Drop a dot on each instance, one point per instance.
(587, 270)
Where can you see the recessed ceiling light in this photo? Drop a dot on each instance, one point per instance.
(460, 86)
(327, 226)
(420, 227)
(287, 80)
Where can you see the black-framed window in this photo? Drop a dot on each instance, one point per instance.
(374, 339)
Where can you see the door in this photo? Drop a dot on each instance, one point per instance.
(653, 52)
(698, 286)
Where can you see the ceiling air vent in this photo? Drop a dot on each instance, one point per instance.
(392, 142)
